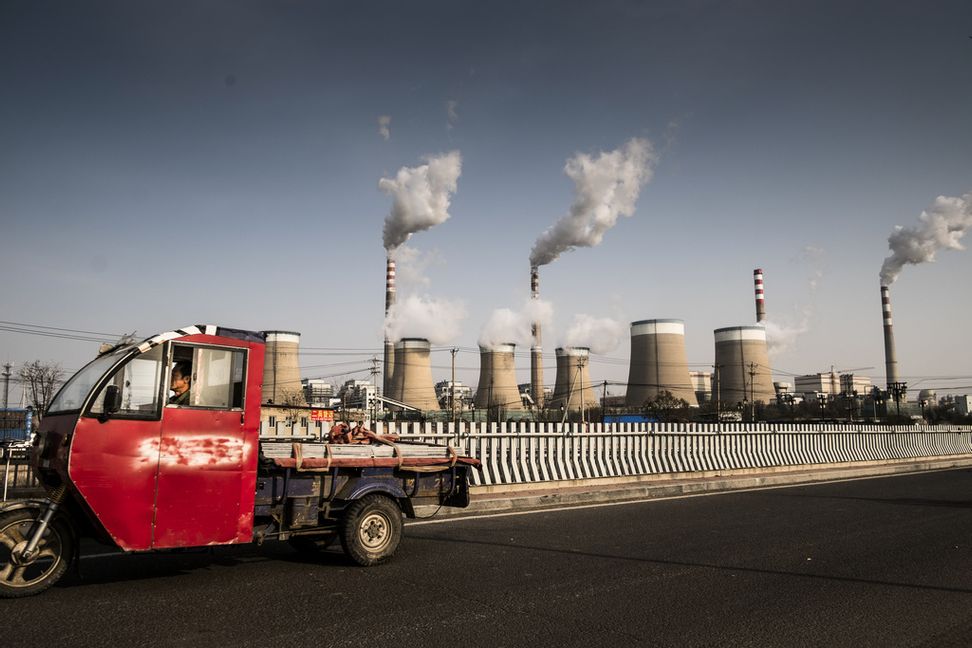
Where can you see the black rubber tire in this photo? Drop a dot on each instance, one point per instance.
(371, 530)
(312, 544)
(55, 551)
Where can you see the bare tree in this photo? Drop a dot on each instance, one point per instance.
(40, 381)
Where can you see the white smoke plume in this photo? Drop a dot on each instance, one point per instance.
(781, 334)
(384, 127)
(782, 337)
(605, 187)
(940, 227)
(600, 334)
(506, 326)
(452, 114)
(420, 197)
(412, 267)
(437, 320)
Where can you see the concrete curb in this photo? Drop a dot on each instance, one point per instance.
(543, 495)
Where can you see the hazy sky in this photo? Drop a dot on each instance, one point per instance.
(163, 164)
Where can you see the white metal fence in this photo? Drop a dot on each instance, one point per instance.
(532, 452)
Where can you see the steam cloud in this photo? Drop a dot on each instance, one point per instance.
(420, 197)
(437, 320)
(605, 187)
(452, 114)
(384, 127)
(601, 334)
(509, 326)
(940, 227)
(780, 335)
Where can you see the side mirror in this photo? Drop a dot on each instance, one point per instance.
(113, 402)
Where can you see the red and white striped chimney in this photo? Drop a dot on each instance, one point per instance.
(389, 344)
(890, 358)
(760, 300)
(536, 351)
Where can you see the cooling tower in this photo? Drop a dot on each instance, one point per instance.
(573, 390)
(281, 369)
(760, 297)
(497, 379)
(742, 366)
(536, 351)
(412, 382)
(389, 371)
(890, 358)
(658, 362)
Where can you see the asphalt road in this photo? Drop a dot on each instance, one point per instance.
(876, 562)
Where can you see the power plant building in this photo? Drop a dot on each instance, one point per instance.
(281, 369)
(742, 371)
(702, 384)
(658, 362)
(573, 389)
(497, 387)
(412, 382)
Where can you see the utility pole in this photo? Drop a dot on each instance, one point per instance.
(718, 388)
(603, 401)
(580, 379)
(6, 391)
(452, 387)
(374, 381)
(752, 391)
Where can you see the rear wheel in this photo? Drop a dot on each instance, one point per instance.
(371, 530)
(50, 560)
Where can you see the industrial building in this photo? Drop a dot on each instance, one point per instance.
(702, 385)
(444, 390)
(497, 379)
(658, 362)
(742, 369)
(318, 392)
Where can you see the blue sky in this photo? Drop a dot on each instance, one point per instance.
(171, 163)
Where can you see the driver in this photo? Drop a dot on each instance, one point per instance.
(181, 377)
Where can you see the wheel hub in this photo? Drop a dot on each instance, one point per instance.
(373, 530)
(17, 555)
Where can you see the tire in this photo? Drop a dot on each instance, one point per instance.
(371, 530)
(52, 558)
(312, 543)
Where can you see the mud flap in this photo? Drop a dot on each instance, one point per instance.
(458, 494)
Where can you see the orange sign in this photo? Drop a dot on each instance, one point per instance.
(322, 415)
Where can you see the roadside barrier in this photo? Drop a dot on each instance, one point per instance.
(522, 452)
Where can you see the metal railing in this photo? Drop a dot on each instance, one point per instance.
(535, 452)
(16, 471)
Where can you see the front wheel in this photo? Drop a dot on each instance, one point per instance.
(371, 530)
(49, 562)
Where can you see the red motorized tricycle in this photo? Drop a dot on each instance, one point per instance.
(124, 462)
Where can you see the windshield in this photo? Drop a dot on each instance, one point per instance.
(72, 394)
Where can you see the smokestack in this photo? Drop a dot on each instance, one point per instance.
(890, 359)
(658, 362)
(573, 389)
(281, 369)
(413, 374)
(389, 372)
(536, 351)
(760, 302)
(497, 379)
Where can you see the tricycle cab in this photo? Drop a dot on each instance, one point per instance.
(154, 472)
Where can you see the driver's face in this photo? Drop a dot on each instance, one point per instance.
(179, 383)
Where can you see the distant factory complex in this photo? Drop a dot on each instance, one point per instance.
(740, 384)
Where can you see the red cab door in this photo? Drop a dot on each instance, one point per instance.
(207, 462)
